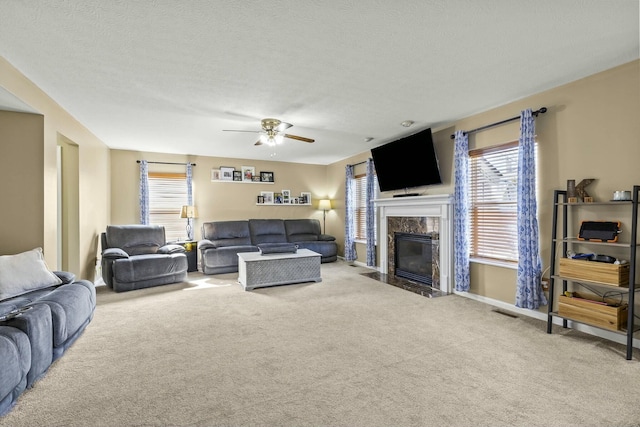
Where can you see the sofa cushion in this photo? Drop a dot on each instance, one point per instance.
(226, 233)
(15, 354)
(135, 239)
(299, 230)
(24, 272)
(267, 231)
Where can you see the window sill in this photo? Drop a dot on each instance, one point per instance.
(495, 263)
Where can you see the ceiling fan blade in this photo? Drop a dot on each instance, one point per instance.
(283, 126)
(258, 142)
(299, 138)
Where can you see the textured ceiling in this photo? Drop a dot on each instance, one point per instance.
(169, 76)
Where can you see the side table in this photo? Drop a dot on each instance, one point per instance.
(191, 248)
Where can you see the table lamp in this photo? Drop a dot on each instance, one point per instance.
(189, 212)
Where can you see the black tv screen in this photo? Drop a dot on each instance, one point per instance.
(407, 162)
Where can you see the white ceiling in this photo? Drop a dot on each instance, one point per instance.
(169, 76)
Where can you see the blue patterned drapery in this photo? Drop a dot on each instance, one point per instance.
(349, 232)
(189, 184)
(461, 212)
(529, 292)
(189, 197)
(371, 226)
(144, 192)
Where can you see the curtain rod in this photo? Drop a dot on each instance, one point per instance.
(359, 163)
(535, 113)
(167, 163)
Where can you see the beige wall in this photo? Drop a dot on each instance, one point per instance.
(21, 168)
(217, 201)
(39, 158)
(591, 130)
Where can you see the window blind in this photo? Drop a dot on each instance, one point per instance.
(493, 215)
(360, 216)
(167, 195)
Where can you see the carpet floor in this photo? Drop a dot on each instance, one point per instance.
(348, 351)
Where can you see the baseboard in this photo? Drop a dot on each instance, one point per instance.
(601, 333)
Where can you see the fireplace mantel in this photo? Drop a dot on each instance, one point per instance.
(435, 206)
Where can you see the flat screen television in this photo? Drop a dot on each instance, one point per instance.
(407, 162)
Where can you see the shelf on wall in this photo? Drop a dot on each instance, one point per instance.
(283, 204)
(242, 182)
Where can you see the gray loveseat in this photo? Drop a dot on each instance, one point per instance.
(138, 256)
(42, 313)
(223, 240)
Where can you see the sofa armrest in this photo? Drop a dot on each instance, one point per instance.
(326, 238)
(205, 244)
(171, 249)
(114, 253)
(65, 276)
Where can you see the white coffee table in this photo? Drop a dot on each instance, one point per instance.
(256, 270)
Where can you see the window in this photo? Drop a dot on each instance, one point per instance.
(360, 214)
(493, 211)
(167, 195)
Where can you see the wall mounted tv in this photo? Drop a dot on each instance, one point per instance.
(407, 162)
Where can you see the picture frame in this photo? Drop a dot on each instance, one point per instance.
(305, 198)
(255, 178)
(248, 172)
(286, 196)
(226, 173)
(266, 176)
(215, 174)
(237, 175)
(277, 198)
(268, 196)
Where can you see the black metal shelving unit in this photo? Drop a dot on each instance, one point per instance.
(561, 207)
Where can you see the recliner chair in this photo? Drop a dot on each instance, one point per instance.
(138, 256)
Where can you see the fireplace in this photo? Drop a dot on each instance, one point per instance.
(431, 215)
(413, 257)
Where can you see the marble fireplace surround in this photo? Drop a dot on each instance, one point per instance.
(419, 214)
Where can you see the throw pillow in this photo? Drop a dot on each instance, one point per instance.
(24, 272)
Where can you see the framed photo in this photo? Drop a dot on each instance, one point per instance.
(267, 195)
(226, 173)
(215, 174)
(266, 176)
(237, 175)
(255, 178)
(305, 198)
(248, 172)
(277, 198)
(286, 196)
(260, 199)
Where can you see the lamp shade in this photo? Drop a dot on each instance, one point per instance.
(189, 212)
(324, 205)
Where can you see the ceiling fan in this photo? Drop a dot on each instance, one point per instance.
(271, 133)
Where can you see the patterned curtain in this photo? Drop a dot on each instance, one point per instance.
(189, 198)
(189, 184)
(461, 212)
(529, 292)
(144, 192)
(371, 226)
(349, 232)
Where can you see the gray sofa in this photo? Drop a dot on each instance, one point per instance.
(138, 256)
(37, 325)
(223, 240)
